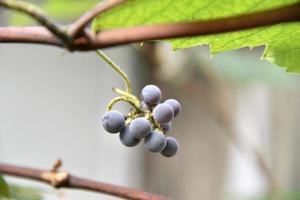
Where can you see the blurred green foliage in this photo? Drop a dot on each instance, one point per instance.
(295, 195)
(239, 67)
(25, 193)
(4, 190)
(283, 195)
(60, 10)
(17, 192)
(246, 66)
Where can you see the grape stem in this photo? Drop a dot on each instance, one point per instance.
(135, 104)
(124, 93)
(149, 116)
(117, 69)
(132, 100)
(127, 95)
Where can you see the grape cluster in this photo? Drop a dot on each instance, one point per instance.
(150, 122)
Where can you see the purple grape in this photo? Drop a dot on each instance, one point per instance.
(140, 127)
(171, 148)
(175, 105)
(155, 141)
(127, 138)
(166, 127)
(113, 121)
(151, 94)
(163, 113)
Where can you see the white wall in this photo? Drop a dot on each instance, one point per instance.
(51, 102)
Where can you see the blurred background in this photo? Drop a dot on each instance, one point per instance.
(238, 129)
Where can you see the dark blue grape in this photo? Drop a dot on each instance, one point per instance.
(140, 127)
(113, 121)
(171, 148)
(155, 141)
(166, 127)
(163, 113)
(151, 94)
(127, 138)
(175, 105)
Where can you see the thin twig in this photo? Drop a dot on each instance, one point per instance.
(121, 36)
(66, 180)
(37, 14)
(117, 69)
(86, 18)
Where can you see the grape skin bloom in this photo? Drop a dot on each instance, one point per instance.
(151, 94)
(175, 105)
(140, 127)
(171, 148)
(155, 141)
(163, 113)
(127, 138)
(113, 121)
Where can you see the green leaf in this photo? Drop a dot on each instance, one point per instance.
(4, 190)
(282, 41)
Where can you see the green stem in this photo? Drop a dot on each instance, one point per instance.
(123, 93)
(149, 116)
(124, 98)
(117, 69)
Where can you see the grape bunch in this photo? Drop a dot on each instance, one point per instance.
(150, 121)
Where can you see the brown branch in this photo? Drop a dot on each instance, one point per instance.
(37, 35)
(66, 180)
(109, 38)
(168, 31)
(38, 15)
(86, 18)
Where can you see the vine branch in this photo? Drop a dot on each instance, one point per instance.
(85, 19)
(66, 180)
(109, 38)
(37, 14)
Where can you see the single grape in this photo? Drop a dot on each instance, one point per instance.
(175, 105)
(166, 127)
(113, 121)
(163, 113)
(127, 138)
(155, 141)
(171, 148)
(140, 127)
(151, 94)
